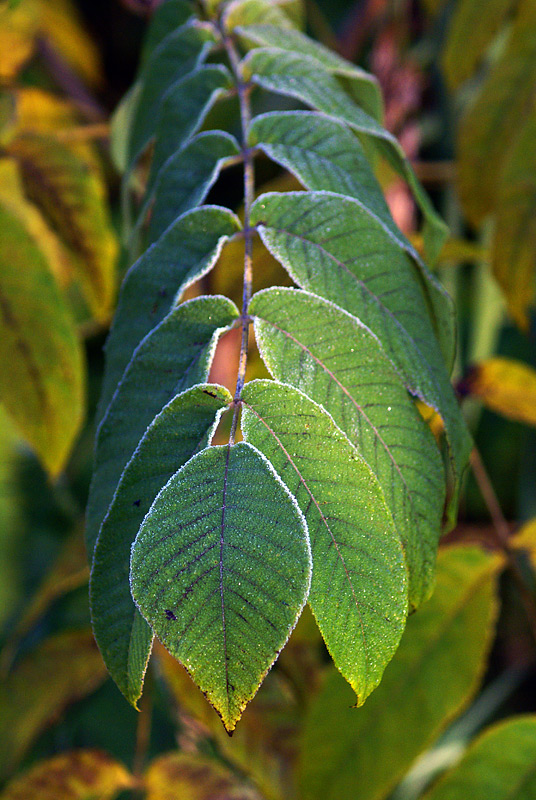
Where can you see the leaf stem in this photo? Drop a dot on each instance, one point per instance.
(501, 531)
(244, 90)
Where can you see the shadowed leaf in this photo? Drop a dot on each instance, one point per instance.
(194, 777)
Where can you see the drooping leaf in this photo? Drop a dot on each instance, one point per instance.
(333, 359)
(72, 197)
(325, 156)
(359, 586)
(166, 17)
(76, 775)
(514, 243)
(491, 124)
(183, 110)
(334, 247)
(186, 178)
(63, 669)
(501, 764)
(181, 52)
(462, 52)
(295, 75)
(362, 87)
(506, 386)
(186, 252)
(174, 356)
(42, 375)
(181, 428)
(221, 569)
(194, 777)
(434, 674)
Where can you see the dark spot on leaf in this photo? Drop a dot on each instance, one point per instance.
(136, 503)
(170, 615)
(210, 394)
(162, 293)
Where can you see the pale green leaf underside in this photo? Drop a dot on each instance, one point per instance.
(362, 87)
(333, 359)
(181, 52)
(221, 569)
(359, 587)
(173, 357)
(185, 179)
(184, 426)
(297, 76)
(369, 750)
(500, 765)
(183, 110)
(185, 252)
(326, 156)
(331, 246)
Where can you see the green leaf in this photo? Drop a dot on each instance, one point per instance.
(359, 586)
(173, 357)
(59, 671)
(185, 252)
(76, 775)
(514, 243)
(221, 569)
(333, 359)
(434, 674)
(186, 178)
(362, 87)
(491, 125)
(324, 155)
(501, 764)
(42, 374)
(183, 110)
(180, 53)
(334, 247)
(286, 14)
(295, 75)
(462, 52)
(167, 16)
(180, 429)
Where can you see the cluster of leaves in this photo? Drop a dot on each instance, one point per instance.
(496, 165)
(57, 247)
(337, 463)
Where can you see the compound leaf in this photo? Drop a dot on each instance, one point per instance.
(221, 569)
(182, 427)
(359, 587)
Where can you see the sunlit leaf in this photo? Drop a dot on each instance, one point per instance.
(42, 375)
(72, 197)
(76, 775)
(63, 25)
(223, 548)
(333, 359)
(183, 426)
(286, 14)
(506, 386)
(18, 27)
(435, 672)
(501, 764)
(358, 592)
(173, 357)
(58, 672)
(194, 777)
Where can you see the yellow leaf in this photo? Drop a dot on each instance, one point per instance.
(42, 112)
(77, 775)
(63, 25)
(12, 198)
(63, 669)
(505, 386)
(72, 196)
(42, 370)
(193, 777)
(18, 27)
